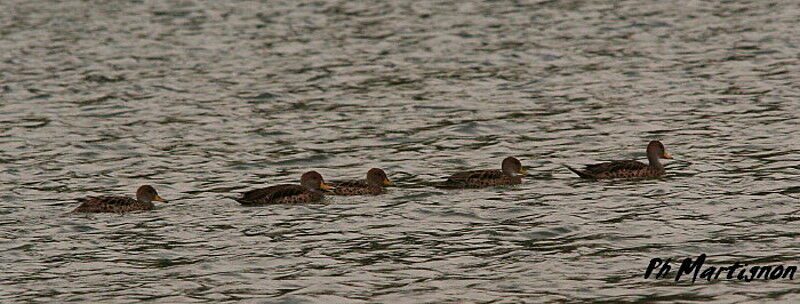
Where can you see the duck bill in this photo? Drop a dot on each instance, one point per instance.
(386, 182)
(323, 186)
(160, 199)
(523, 171)
(666, 155)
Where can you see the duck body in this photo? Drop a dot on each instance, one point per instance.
(145, 196)
(478, 179)
(308, 191)
(373, 185)
(619, 169)
(628, 168)
(486, 178)
(356, 187)
(280, 194)
(117, 204)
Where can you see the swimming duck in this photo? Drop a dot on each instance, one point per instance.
(145, 196)
(486, 178)
(309, 191)
(373, 185)
(628, 168)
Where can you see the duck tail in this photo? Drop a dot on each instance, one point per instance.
(579, 173)
(443, 185)
(449, 184)
(240, 200)
(243, 202)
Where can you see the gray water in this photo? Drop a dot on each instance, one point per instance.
(207, 99)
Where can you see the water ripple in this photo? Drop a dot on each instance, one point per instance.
(206, 99)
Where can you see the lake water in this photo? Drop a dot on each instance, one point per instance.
(207, 99)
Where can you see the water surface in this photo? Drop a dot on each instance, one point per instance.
(205, 99)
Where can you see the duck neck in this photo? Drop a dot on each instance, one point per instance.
(374, 182)
(310, 187)
(654, 162)
(143, 198)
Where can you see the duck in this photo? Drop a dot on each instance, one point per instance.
(308, 191)
(145, 196)
(373, 185)
(628, 168)
(507, 175)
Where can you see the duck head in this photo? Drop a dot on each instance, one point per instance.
(313, 181)
(376, 177)
(512, 166)
(148, 194)
(655, 149)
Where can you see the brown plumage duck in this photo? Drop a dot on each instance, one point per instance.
(145, 196)
(486, 178)
(373, 185)
(628, 168)
(309, 191)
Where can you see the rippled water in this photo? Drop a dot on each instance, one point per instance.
(205, 99)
